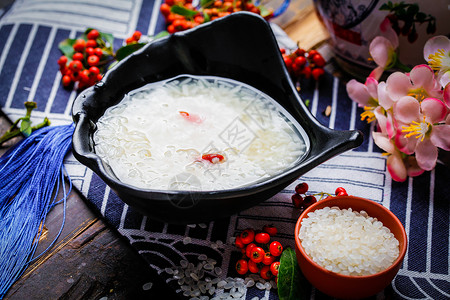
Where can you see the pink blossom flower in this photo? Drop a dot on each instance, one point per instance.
(366, 95)
(383, 54)
(369, 96)
(437, 53)
(423, 130)
(411, 110)
(398, 165)
(420, 83)
(373, 97)
(382, 49)
(446, 94)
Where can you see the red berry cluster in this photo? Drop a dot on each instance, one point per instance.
(82, 67)
(301, 200)
(188, 16)
(134, 38)
(304, 64)
(260, 254)
(304, 201)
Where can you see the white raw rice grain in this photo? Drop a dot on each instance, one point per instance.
(348, 242)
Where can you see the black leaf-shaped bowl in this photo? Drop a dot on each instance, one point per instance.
(240, 47)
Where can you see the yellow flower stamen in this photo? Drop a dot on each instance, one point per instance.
(435, 59)
(418, 129)
(420, 94)
(368, 114)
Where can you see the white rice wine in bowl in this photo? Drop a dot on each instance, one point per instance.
(348, 242)
(198, 133)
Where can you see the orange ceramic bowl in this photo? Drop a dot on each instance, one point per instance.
(344, 286)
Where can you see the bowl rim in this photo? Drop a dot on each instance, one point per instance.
(313, 207)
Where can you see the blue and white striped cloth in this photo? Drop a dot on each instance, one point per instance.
(29, 35)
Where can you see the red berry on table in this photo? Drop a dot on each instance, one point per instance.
(275, 248)
(199, 19)
(93, 34)
(300, 60)
(317, 73)
(93, 60)
(282, 50)
(75, 65)
(62, 61)
(306, 72)
(296, 69)
(238, 242)
(94, 70)
(300, 52)
(89, 51)
(318, 60)
(91, 44)
(253, 267)
(270, 229)
(170, 29)
(79, 45)
(268, 259)
(137, 35)
(309, 200)
(287, 61)
(274, 267)
(340, 191)
(64, 70)
(74, 76)
(99, 77)
(164, 9)
(78, 56)
(242, 266)
(301, 188)
(247, 236)
(66, 80)
(257, 254)
(265, 273)
(84, 76)
(311, 53)
(262, 237)
(248, 249)
(98, 51)
(297, 200)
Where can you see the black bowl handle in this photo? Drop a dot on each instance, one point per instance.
(82, 146)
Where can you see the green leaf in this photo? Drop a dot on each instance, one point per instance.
(431, 27)
(87, 30)
(264, 12)
(161, 34)
(292, 285)
(420, 17)
(385, 6)
(127, 50)
(206, 17)
(412, 9)
(109, 38)
(401, 12)
(206, 3)
(66, 47)
(25, 126)
(182, 11)
(112, 64)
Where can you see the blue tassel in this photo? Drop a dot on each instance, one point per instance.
(31, 174)
(282, 8)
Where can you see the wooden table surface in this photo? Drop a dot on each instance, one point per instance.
(91, 260)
